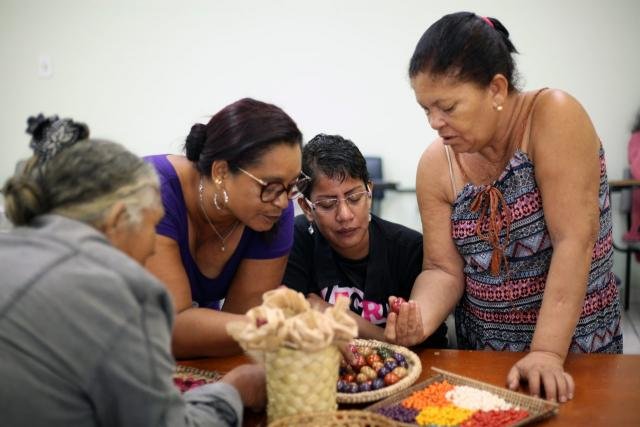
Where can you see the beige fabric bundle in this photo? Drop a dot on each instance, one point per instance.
(286, 319)
(299, 347)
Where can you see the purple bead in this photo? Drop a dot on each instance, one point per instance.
(400, 358)
(377, 383)
(365, 386)
(383, 371)
(352, 388)
(399, 413)
(342, 386)
(390, 365)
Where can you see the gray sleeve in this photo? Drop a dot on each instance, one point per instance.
(133, 386)
(219, 402)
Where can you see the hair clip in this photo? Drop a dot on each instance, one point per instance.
(51, 134)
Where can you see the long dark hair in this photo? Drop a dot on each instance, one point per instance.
(468, 47)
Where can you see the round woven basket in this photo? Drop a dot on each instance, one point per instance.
(301, 382)
(413, 372)
(335, 419)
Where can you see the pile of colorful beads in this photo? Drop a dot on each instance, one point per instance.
(371, 369)
(443, 404)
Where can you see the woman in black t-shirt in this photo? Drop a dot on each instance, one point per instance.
(341, 249)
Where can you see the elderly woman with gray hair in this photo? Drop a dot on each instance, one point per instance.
(84, 330)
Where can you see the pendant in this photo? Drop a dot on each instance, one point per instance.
(222, 248)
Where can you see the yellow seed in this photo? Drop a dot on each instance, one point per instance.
(443, 415)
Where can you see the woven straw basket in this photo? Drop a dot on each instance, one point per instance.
(301, 382)
(335, 419)
(414, 370)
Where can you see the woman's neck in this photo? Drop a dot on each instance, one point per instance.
(486, 165)
(504, 141)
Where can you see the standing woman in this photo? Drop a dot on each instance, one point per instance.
(515, 211)
(228, 224)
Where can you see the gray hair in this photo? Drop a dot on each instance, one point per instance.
(82, 182)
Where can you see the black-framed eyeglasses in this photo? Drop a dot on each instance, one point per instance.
(353, 200)
(272, 190)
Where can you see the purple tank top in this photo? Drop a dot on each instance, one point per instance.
(205, 291)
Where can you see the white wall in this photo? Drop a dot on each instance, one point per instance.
(141, 72)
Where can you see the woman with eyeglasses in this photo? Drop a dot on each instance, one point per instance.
(341, 249)
(227, 228)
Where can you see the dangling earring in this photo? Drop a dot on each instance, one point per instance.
(310, 229)
(225, 199)
(369, 216)
(225, 196)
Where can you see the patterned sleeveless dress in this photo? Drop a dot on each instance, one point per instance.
(499, 312)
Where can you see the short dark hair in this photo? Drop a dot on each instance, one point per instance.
(333, 156)
(468, 47)
(240, 133)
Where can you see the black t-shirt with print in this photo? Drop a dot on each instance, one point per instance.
(393, 263)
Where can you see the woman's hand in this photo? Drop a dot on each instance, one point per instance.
(542, 368)
(404, 328)
(250, 381)
(317, 302)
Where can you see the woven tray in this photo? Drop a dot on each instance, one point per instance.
(187, 377)
(413, 372)
(538, 408)
(335, 419)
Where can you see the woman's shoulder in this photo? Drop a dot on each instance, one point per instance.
(432, 155)
(555, 106)
(558, 116)
(168, 165)
(433, 175)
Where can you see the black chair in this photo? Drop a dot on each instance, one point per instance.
(374, 166)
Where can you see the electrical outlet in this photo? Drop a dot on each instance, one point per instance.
(45, 67)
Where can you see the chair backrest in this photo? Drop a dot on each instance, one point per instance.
(374, 166)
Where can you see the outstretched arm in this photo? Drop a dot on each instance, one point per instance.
(439, 286)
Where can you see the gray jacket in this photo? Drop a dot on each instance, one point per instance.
(85, 337)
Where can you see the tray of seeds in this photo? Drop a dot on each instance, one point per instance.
(448, 399)
(187, 377)
(379, 370)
